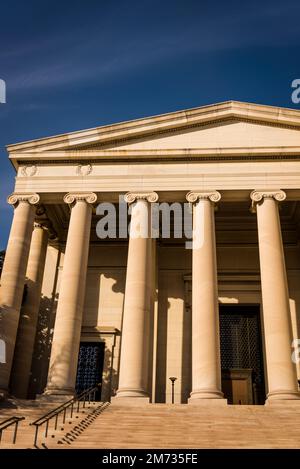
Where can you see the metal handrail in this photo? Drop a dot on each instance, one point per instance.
(7, 423)
(62, 408)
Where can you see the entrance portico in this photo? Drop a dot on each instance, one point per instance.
(92, 284)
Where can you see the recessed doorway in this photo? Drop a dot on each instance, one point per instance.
(241, 354)
(90, 366)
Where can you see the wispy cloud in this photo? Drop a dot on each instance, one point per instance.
(100, 55)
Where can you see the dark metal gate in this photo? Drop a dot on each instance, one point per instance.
(241, 346)
(90, 366)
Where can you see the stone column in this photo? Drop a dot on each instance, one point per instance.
(20, 374)
(134, 371)
(67, 328)
(281, 371)
(13, 277)
(206, 367)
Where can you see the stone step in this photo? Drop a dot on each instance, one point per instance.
(187, 426)
(162, 426)
(31, 412)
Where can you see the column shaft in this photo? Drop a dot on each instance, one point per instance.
(134, 364)
(206, 368)
(67, 329)
(13, 276)
(282, 379)
(29, 313)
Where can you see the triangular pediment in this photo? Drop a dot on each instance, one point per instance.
(226, 133)
(215, 128)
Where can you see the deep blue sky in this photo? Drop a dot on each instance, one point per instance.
(72, 65)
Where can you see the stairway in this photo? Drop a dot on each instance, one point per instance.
(191, 426)
(32, 410)
(100, 425)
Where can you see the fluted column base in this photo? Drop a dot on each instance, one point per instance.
(130, 400)
(53, 394)
(131, 396)
(131, 393)
(206, 396)
(61, 391)
(283, 397)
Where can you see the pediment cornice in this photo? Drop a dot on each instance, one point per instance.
(97, 144)
(164, 123)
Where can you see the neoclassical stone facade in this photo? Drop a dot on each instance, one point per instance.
(221, 317)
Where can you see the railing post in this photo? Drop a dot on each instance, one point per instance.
(87, 394)
(15, 432)
(47, 425)
(36, 435)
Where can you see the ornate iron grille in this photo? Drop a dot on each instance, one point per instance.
(90, 365)
(241, 340)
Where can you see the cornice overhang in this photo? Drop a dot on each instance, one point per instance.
(72, 143)
(195, 154)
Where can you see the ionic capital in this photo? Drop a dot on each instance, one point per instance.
(132, 197)
(194, 197)
(72, 197)
(15, 198)
(258, 196)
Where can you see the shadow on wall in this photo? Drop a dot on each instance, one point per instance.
(42, 347)
(119, 283)
(93, 294)
(297, 317)
(169, 291)
(109, 376)
(43, 343)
